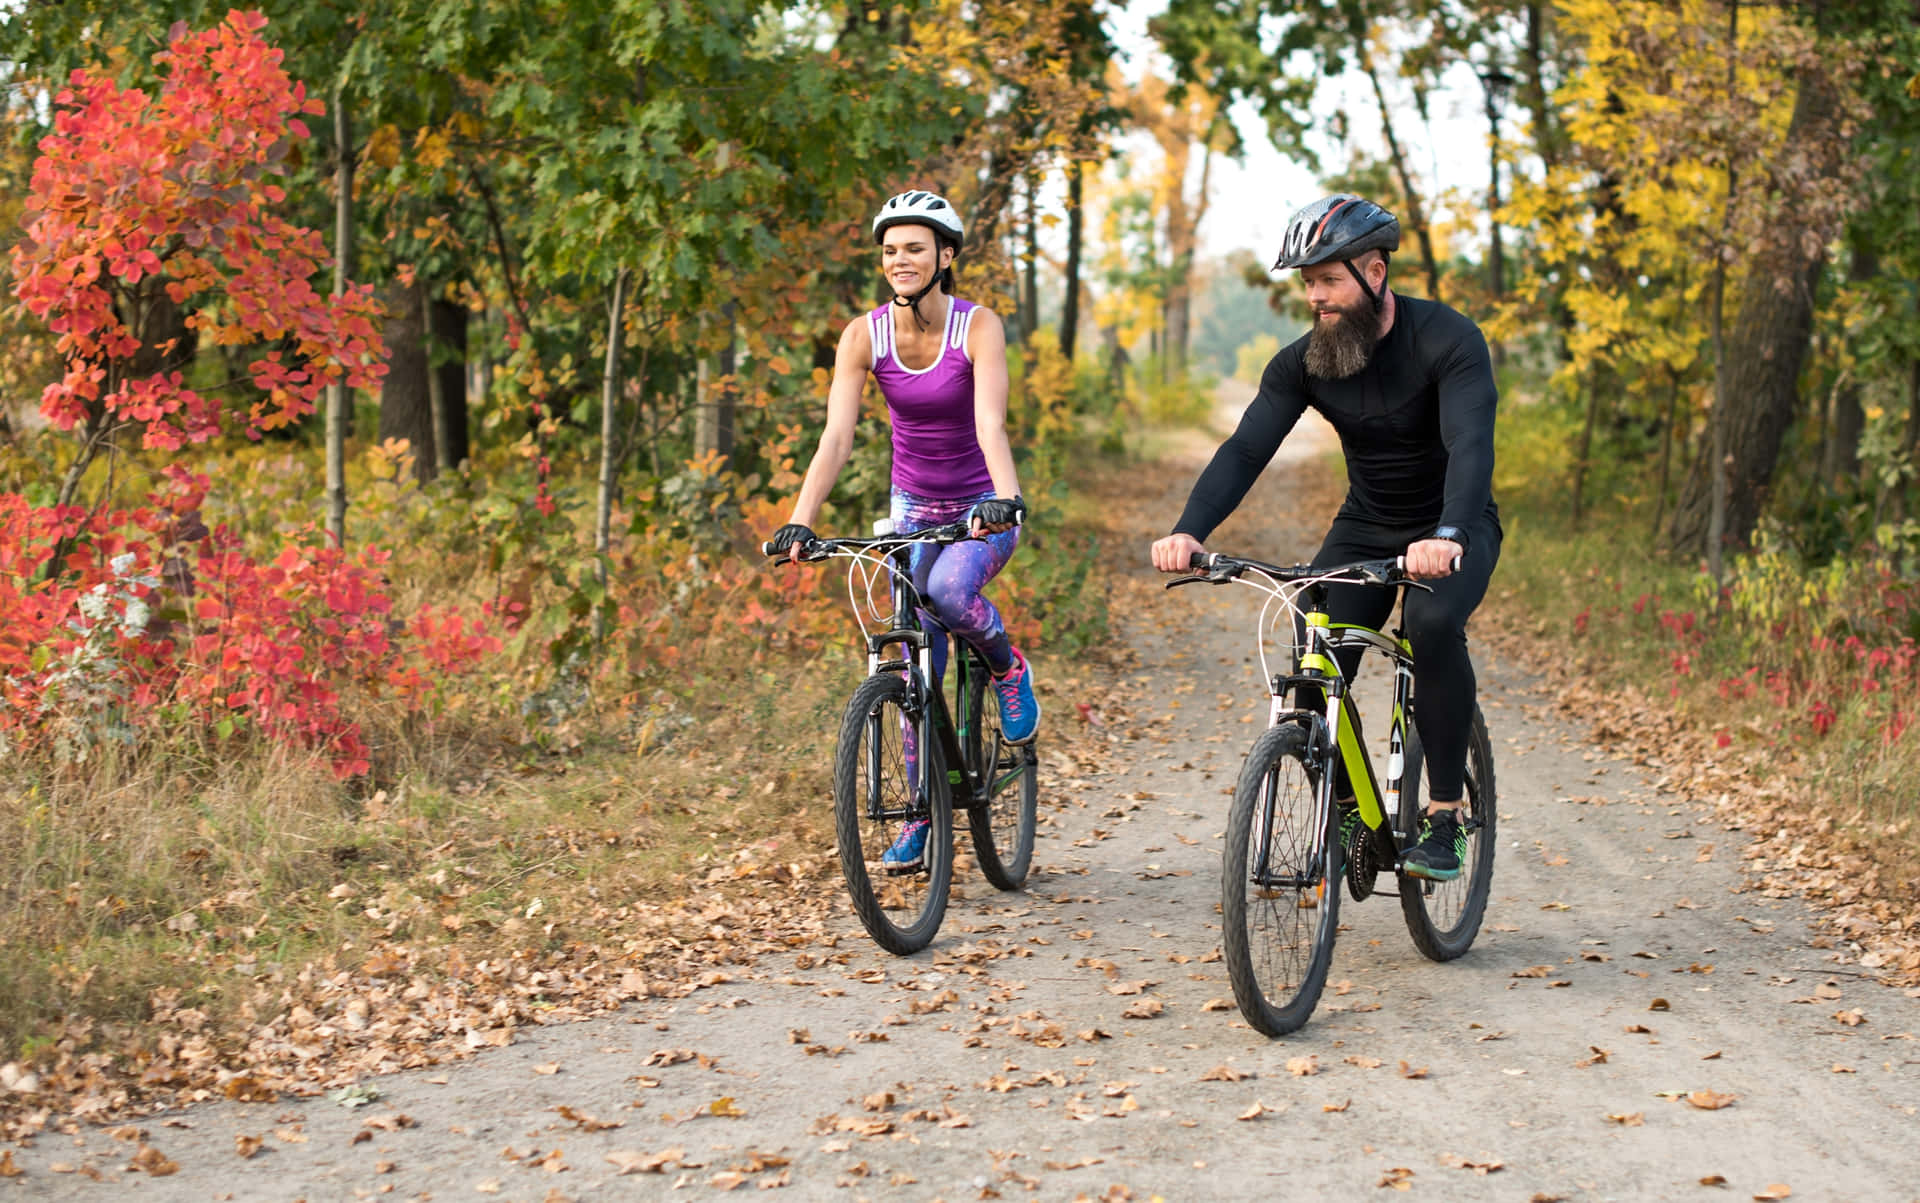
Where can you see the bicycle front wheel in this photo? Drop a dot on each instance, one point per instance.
(1443, 917)
(1003, 823)
(875, 797)
(1280, 885)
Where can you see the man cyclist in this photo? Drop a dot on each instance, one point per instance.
(1408, 386)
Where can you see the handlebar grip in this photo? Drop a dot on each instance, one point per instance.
(1199, 561)
(766, 549)
(1400, 562)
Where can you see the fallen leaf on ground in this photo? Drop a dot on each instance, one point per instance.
(1852, 1019)
(1776, 1190)
(1301, 1067)
(1340, 1106)
(548, 1069)
(1484, 1166)
(1225, 1073)
(246, 1146)
(1078, 1164)
(1254, 1112)
(1709, 1100)
(587, 1123)
(152, 1161)
(1407, 1071)
(1372, 1062)
(1627, 1119)
(1146, 1008)
(1399, 1178)
(632, 1161)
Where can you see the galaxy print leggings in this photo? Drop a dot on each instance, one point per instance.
(950, 579)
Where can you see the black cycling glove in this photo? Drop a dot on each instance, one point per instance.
(998, 511)
(789, 535)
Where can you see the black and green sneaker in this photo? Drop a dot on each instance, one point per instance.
(1348, 812)
(1441, 850)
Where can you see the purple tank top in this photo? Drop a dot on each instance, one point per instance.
(936, 453)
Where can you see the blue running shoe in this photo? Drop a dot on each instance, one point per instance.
(1019, 709)
(909, 850)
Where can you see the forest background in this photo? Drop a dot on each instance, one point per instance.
(394, 402)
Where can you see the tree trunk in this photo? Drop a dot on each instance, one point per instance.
(1666, 451)
(1585, 456)
(436, 391)
(609, 453)
(1840, 458)
(1416, 217)
(1546, 135)
(1030, 270)
(450, 321)
(339, 396)
(1076, 221)
(1757, 376)
(405, 410)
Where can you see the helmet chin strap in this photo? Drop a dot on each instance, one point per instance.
(1375, 297)
(913, 302)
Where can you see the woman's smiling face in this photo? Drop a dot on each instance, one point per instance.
(910, 257)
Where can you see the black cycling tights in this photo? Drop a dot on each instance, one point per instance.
(1436, 625)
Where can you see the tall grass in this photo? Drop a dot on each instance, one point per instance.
(1812, 665)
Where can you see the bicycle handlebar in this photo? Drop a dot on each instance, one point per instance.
(1217, 568)
(820, 549)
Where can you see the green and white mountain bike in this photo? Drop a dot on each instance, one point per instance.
(1286, 850)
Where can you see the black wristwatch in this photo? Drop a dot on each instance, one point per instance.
(1451, 534)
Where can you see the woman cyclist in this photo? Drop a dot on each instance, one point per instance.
(940, 363)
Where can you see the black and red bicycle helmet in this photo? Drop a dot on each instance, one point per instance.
(1338, 228)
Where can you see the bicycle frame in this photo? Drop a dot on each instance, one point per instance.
(1317, 666)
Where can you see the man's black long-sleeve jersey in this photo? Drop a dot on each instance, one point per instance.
(1416, 425)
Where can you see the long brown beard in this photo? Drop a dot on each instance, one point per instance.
(1339, 349)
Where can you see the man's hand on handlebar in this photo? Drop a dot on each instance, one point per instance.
(1432, 559)
(1175, 552)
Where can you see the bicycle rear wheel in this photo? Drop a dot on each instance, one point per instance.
(1443, 917)
(1280, 885)
(873, 799)
(1002, 827)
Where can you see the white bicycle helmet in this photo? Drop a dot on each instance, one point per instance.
(919, 208)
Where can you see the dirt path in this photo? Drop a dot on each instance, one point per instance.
(1624, 964)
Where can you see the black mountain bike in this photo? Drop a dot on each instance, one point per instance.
(1285, 852)
(903, 756)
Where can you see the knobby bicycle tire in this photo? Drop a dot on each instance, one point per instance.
(902, 912)
(1003, 828)
(1443, 917)
(1278, 933)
